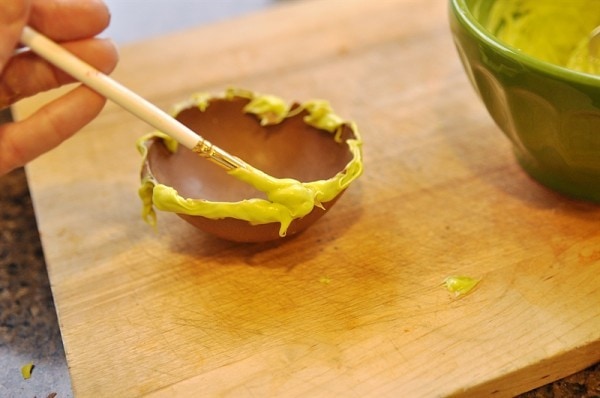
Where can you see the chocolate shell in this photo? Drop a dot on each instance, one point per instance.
(304, 142)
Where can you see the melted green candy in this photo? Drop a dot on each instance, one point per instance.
(556, 31)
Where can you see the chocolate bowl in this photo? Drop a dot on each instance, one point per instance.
(304, 142)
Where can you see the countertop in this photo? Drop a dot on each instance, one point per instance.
(28, 325)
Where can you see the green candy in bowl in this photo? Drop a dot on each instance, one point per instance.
(533, 66)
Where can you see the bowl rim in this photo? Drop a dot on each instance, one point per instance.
(466, 18)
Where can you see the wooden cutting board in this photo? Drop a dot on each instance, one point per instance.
(355, 306)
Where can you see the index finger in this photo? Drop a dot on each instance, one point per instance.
(13, 16)
(66, 20)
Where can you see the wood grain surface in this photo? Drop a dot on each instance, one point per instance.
(354, 306)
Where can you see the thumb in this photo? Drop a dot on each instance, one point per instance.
(13, 17)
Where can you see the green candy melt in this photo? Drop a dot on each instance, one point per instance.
(556, 31)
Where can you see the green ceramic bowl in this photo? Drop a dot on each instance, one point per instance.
(551, 114)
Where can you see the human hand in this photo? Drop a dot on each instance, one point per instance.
(73, 23)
